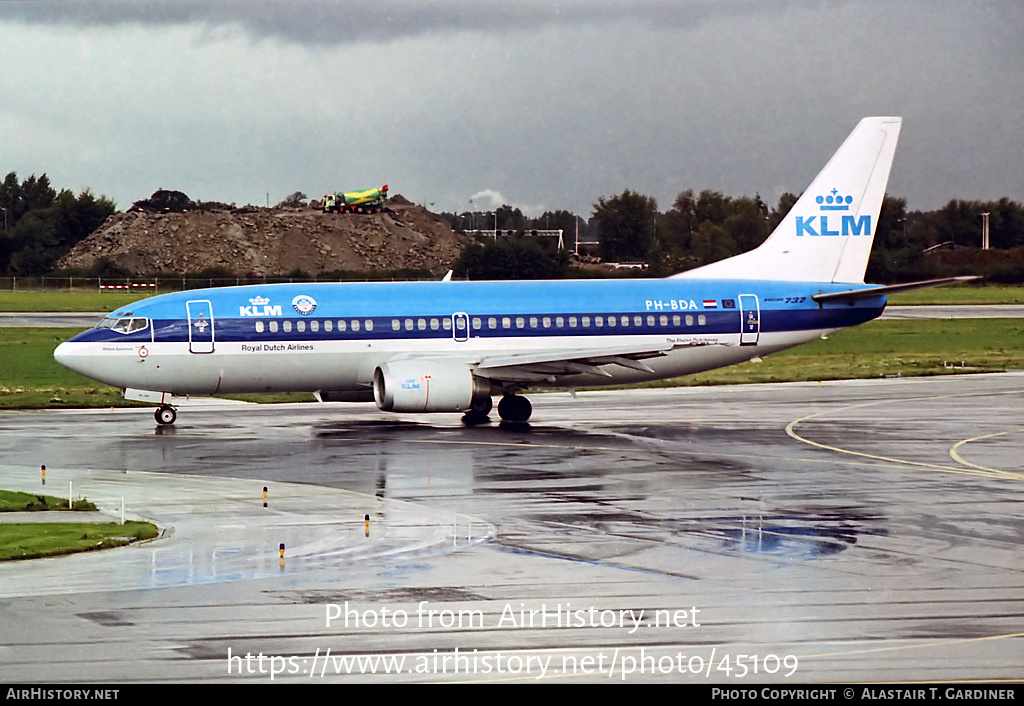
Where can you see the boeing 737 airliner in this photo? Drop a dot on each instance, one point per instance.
(451, 346)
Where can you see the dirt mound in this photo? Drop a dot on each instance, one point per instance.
(261, 241)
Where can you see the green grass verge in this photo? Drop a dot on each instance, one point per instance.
(961, 294)
(77, 300)
(884, 348)
(31, 379)
(15, 501)
(67, 300)
(33, 540)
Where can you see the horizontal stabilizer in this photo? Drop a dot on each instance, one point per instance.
(855, 294)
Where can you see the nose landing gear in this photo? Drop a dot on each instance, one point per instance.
(165, 415)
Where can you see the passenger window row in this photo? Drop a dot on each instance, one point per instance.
(273, 326)
(585, 321)
(493, 323)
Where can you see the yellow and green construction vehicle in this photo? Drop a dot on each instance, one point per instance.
(369, 201)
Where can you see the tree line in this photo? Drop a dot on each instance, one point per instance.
(709, 226)
(41, 224)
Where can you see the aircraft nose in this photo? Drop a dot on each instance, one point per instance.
(83, 357)
(66, 355)
(62, 354)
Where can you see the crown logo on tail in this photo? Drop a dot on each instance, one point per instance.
(834, 201)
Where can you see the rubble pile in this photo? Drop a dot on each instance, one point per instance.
(255, 241)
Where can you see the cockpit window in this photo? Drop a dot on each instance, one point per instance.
(124, 324)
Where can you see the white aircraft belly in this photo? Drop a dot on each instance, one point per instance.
(278, 366)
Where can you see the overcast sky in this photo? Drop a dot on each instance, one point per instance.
(540, 104)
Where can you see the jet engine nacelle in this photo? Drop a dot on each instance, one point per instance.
(426, 386)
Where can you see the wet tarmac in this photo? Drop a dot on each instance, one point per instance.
(50, 319)
(955, 311)
(855, 531)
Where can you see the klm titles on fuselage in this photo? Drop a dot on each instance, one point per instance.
(265, 310)
(261, 306)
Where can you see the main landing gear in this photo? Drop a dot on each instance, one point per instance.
(513, 408)
(477, 414)
(165, 415)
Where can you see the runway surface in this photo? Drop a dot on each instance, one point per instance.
(858, 531)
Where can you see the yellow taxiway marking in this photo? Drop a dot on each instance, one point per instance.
(916, 646)
(971, 469)
(954, 452)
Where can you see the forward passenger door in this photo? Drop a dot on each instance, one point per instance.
(200, 326)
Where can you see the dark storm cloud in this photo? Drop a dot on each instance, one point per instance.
(543, 102)
(327, 22)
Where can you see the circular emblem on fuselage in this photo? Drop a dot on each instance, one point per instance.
(304, 304)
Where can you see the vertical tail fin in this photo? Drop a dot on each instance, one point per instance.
(827, 235)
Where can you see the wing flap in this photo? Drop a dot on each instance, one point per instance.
(650, 350)
(541, 365)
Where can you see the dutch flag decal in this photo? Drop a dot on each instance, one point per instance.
(710, 303)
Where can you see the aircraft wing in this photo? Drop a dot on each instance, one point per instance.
(536, 366)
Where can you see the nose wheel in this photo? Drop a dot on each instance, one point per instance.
(165, 415)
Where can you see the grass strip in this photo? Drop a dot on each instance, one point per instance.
(31, 379)
(890, 348)
(961, 294)
(90, 300)
(34, 540)
(16, 501)
(69, 300)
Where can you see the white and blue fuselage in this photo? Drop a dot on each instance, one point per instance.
(332, 336)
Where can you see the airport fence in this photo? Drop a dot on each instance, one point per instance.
(148, 285)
